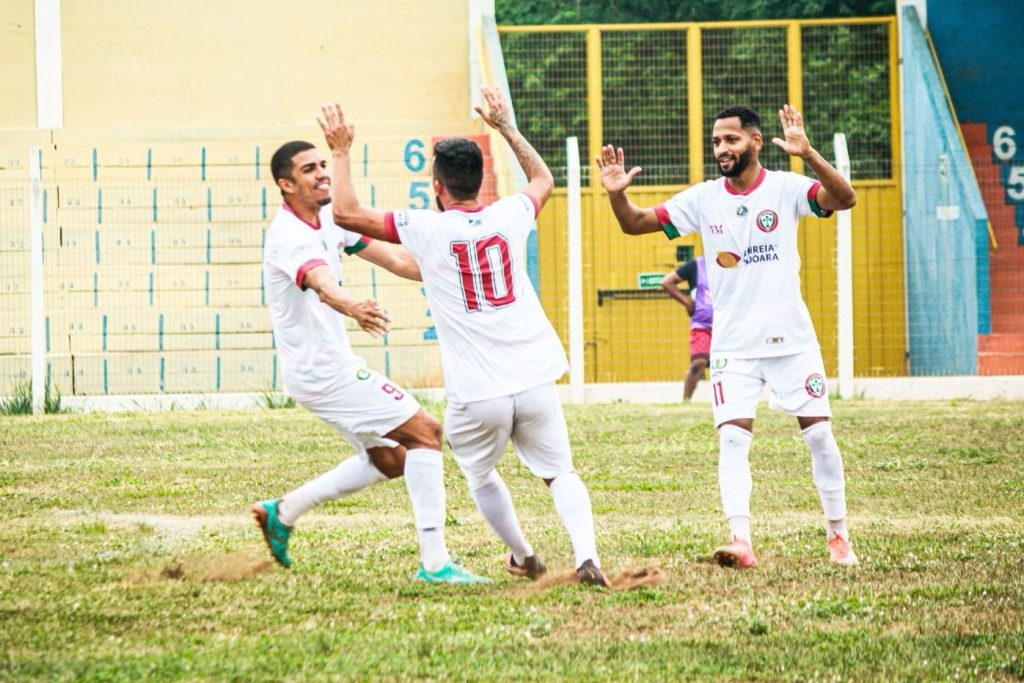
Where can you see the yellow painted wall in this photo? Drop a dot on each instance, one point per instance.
(258, 62)
(17, 64)
(160, 175)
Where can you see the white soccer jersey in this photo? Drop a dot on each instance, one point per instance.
(495, 338)
(753, 265)
(310, 335)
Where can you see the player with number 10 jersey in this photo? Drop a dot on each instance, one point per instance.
(500, 355)
(495, 338)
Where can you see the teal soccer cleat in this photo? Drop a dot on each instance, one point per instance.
(275, 533)
(449, 573)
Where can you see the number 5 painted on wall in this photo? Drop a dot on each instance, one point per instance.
(418, 197)
(1015, 184)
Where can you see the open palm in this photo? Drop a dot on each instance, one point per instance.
(612, 163)
(796, 143)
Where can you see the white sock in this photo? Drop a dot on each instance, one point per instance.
(352, 475)
(739, 527)
(827, 469)
(495, 503)
(735, 483)
(572, 502)
(424, 479)
(837, 527)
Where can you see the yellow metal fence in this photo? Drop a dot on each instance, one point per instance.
(654, 90)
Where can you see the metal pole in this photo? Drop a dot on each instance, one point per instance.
(572, 156)
(844, 277)
(35, 205)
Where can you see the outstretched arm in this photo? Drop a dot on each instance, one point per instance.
(633, 220)
(836, 193)
(348, 213)
(367, 313)
(539, 179)
(393, 258)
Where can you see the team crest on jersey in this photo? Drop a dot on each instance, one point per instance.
(815, 385)
(719, 363)
(727, 259)
(767, 220)
(401, 219)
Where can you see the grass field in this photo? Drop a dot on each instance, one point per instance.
(128, 555)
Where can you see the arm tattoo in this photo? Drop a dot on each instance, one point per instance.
(526, 155)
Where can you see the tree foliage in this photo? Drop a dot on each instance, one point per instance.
(528, 12)
(644, 84)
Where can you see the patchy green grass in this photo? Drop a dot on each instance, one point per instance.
(127, 554)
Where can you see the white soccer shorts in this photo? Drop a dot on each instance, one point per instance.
(533, 419)
(364, 410)
(796, 385)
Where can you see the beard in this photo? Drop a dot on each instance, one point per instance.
(738, 166)
(324, 202)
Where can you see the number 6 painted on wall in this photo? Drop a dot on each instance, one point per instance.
(1003, 144)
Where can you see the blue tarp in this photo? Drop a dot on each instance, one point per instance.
(946, 224)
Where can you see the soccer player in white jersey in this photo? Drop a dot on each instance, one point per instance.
(391, 434)
(747, 220)
(500, 355)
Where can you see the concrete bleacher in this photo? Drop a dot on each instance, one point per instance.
(152, 275)
(1002, 351)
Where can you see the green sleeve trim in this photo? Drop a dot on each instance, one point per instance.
(817, 210)
(670, 231)
(358, 246)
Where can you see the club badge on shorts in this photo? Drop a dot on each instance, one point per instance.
(815, 385)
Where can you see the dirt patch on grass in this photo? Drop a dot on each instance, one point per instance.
(225, 568)
(623, 580)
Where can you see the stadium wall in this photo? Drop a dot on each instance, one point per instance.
(157, 192)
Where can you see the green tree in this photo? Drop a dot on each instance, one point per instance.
(527, 12)
(644, 79)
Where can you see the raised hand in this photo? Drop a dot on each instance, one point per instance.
(497, 115)
(338, 132)
(796, 143)
(612, 163)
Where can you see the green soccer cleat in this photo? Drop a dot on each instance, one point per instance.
(449, 573)
(275, 532)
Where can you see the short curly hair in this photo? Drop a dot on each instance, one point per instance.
(748, 116)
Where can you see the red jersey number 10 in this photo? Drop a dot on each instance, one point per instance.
(485, 266)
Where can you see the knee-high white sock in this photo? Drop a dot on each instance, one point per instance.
(353, 474)
(735, 483)
(495, 503)
(424, 479)
(572, 502)
(827, 469)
